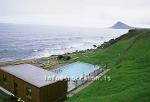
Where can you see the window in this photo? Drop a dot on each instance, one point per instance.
(4, 78)
(28, 92)
(15, 88)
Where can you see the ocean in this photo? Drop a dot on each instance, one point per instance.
(22, 41)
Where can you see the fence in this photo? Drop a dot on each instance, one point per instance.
(86, 78)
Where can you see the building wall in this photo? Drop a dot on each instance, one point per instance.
(1, 76)
(53, 91)
(47, 93)
(22, 85)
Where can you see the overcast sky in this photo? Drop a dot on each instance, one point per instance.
(91, 13)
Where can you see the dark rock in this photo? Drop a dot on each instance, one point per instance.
(63, 57)
(94, 46)
(59, 57)
(66, 58)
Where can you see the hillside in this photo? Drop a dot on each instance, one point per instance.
(129, 61)
(120, 25)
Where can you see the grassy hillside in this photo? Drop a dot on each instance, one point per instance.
(129, 60)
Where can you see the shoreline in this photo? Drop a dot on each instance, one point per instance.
(50, 62)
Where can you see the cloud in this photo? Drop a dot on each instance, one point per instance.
(95, 13)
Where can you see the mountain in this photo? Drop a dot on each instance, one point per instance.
(120, 25)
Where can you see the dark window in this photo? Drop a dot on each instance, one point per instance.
(15, 88)
(4, 78)
(28, 92)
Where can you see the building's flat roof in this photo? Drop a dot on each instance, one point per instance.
(31, 74)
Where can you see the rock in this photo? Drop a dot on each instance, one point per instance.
(63, 57)
(94, 46)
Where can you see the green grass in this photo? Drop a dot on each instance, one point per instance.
(4, 97)
(129, 60)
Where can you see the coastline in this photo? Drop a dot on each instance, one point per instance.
(50, 62)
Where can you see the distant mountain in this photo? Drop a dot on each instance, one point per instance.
(120, 25)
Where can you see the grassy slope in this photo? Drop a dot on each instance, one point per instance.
(129, 59)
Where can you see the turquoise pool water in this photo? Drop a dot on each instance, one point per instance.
(76, 69)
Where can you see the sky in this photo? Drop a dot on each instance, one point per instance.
(81, 13)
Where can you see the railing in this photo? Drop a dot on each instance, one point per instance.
(78, 82)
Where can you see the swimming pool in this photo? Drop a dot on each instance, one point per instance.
(76, 69)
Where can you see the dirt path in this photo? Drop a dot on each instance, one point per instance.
(128, 48)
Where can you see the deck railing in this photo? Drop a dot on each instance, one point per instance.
(86, 78)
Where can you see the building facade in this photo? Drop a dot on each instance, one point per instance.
(27, 82)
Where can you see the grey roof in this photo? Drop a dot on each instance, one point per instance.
(31, 74)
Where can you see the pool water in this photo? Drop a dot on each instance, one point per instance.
(76, 69)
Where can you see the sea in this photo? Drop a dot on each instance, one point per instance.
(24, 41)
